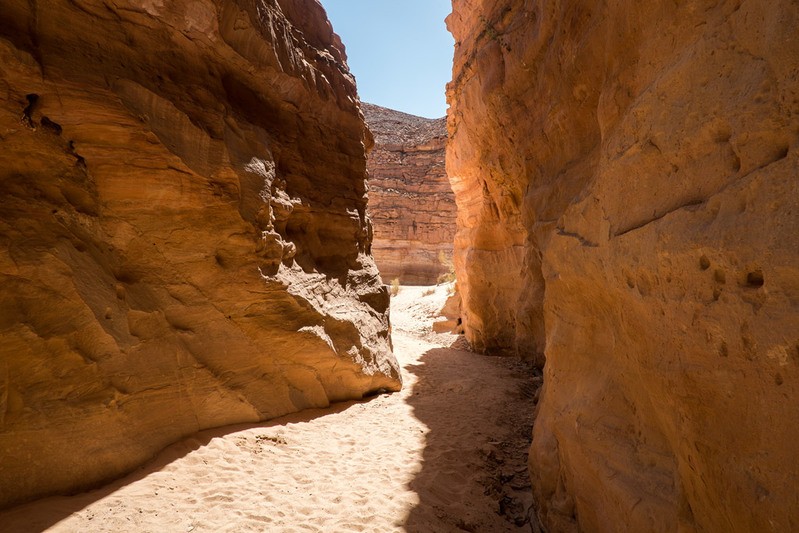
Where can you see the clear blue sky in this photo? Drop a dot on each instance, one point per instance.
(399, 50)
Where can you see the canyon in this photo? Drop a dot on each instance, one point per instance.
(628, 218)
(186, 244)
(184, 241)
(411, 203)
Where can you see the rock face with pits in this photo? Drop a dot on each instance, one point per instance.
(183, 232)
(626, 179)
(410, 199)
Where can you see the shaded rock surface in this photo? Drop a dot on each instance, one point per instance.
(183, 233)
(410, 199)
(626, 179)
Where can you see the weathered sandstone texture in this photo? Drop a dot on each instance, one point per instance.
(451, 314)
(183, 232)
(410, 199)
(626, 178)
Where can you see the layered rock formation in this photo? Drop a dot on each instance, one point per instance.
(410, 199)
(626, 176)
(183, 232)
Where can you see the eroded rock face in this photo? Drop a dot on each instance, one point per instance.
(410, 199)
(626, 178)
(183, 231)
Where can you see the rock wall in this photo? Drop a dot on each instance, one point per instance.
(626, 179)
(410, 199)
(183, 231)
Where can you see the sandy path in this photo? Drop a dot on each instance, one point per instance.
(445, 454)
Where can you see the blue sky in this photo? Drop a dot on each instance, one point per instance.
(399, 50)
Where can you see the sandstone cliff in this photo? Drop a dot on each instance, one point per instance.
(183, 232)
(410, 199)
(626, 179)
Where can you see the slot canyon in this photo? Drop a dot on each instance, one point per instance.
(221, 271)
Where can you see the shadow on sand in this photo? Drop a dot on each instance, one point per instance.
(474, 471)
(477, 411)
(39, 515)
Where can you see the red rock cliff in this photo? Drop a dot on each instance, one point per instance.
(183, 231)
(410, 199)
(626, 179)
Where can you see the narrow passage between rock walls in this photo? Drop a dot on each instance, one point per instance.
(448, 453)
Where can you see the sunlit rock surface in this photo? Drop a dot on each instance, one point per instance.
(410, 199)
(626, 178)
(183, 232)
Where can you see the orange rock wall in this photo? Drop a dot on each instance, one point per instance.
(183, 231)
(626, 179)
(410, 199)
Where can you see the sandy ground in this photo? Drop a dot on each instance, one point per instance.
(448, 453)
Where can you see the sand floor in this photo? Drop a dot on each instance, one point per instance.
(448, 453)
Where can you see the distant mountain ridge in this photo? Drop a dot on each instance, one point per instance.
(410, 200)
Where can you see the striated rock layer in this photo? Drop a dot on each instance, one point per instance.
(626, 179)
(183, 232)
(410, 199)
